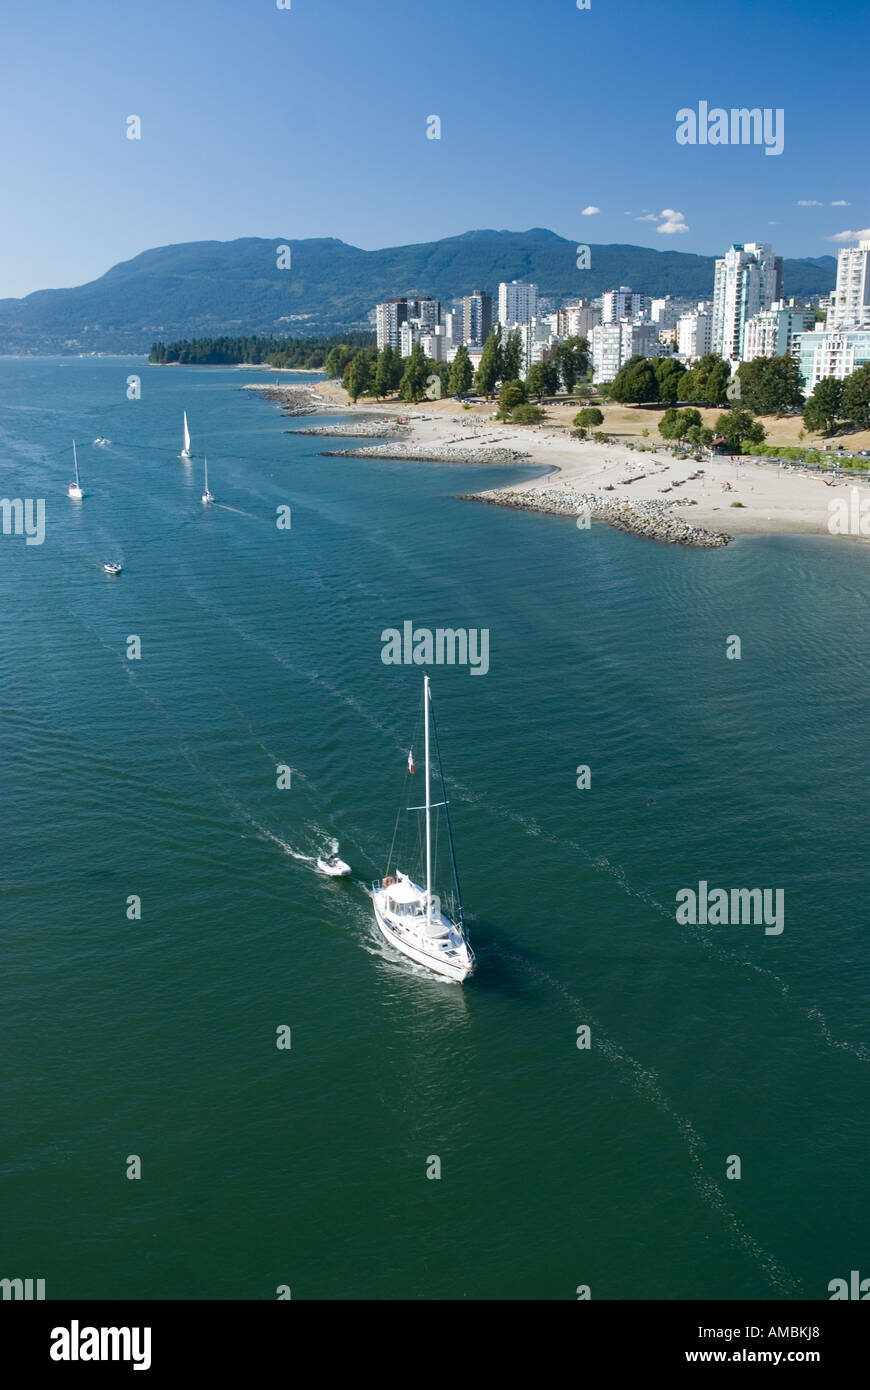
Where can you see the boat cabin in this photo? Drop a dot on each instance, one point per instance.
(405, 901)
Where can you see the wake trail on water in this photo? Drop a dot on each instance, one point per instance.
(601, 864)
(646, 1083)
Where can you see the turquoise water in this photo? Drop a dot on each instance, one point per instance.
(157, 778)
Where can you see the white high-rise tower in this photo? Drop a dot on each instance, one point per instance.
(748, 279)
(850, 302)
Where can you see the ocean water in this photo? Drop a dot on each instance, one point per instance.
(156, 778)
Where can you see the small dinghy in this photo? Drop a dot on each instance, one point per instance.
(112, 568)
(333, 866)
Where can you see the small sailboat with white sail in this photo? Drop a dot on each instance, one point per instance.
(411, 916)
(185, 445)
(74, 490)
(207, 496)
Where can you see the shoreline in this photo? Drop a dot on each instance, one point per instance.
(642, 489)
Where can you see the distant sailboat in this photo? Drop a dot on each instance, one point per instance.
(185, 448)
(74, 490)
(207, 496)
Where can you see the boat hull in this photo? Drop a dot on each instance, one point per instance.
(337, 870)
(439, 965)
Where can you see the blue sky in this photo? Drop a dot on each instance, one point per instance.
(312, 122)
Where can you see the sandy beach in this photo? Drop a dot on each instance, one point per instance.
(719, 497)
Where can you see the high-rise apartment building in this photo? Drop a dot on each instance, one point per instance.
(476, 318)
(614, 343)
(624, 303)
(773, 332)
(389, 318)
(695, 333)
(577, 320)
(517, 303)
(838, 353)
(850, 301)
(748, 279)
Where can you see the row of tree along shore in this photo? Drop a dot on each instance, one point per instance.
(765, 386)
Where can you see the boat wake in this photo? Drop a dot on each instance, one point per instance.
(647, 1084)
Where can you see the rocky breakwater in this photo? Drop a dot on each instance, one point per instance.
(372, 428)
(442, 453)
(294, 400)
(651, 518)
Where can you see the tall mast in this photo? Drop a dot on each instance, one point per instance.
(428, 811)
(76, 462)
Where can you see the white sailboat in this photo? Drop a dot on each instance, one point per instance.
(409, 915)
(74, 490)
(207, 496)
(185, 448)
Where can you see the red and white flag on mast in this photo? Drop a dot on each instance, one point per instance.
(411, 762)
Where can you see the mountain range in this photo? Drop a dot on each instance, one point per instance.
(210, 288)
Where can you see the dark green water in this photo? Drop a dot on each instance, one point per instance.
(157, 778)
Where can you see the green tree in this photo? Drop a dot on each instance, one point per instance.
(512, 356)
(491, 364)
(707, 382)
(388, 371)
(737, 427)
(824, 409)
(337, 359)
(635, 382)
(675, 424)
(526, 414)
(669, 373)
(358, 376)
(461, 373)
(700, 435)
(512, 393)
(589, 415)
(571, 359)
(412, 387)
(770, 385)
(542, 379)
(856, 398)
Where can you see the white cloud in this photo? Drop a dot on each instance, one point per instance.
(673, 222)
(809, 203)
(773, 224)
(590, 211)
(862, 235)
(649, 217)
(628, 214)
(840, 203)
